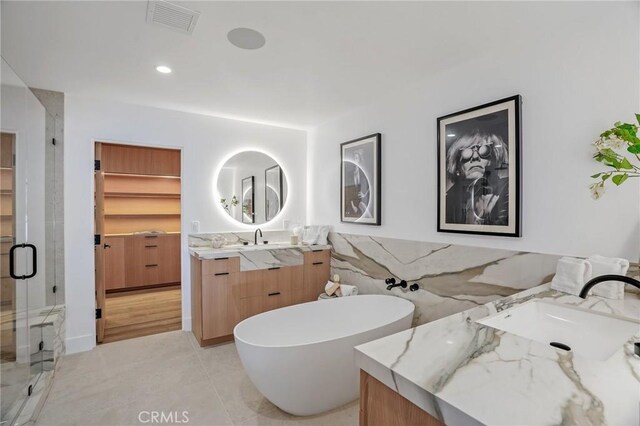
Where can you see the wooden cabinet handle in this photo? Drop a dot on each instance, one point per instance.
(274, 294)
(220, 273)
(318, 263)
(152, 265)
(150, 246)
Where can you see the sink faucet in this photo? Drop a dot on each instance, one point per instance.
(255, 236)
(602, 278)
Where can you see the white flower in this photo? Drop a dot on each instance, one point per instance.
(597, 190)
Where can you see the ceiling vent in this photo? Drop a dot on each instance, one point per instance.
(172, 16)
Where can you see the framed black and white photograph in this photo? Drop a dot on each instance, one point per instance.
(360, 189)
(479, 169)
(248, 196)
(272, 192)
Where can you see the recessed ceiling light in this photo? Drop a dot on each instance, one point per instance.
(246, 38)
(163, 69)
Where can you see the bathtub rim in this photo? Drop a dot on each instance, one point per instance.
(316, 342)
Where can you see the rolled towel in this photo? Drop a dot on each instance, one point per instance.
(349, 290)
(601, 265)
(571, 275)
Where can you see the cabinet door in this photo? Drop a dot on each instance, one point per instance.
(298, 293)
(220, 310)
(317, 269)
(114, 263)
(169, 258)
(277, 288)
(141, 260)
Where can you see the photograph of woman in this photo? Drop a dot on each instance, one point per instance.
(360, 180)
(478, 172)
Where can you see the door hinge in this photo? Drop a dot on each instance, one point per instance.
(98, 313)
(29, 390)
(53, 141)
(41, 345)
(96, 165)
(55, 288)
(96, 239)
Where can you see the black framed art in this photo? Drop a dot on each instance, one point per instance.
(360, 189)
(272, 192)
(248, 197)
(479, 175)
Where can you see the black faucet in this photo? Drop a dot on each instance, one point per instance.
(602, 278)
(392, 283)
(255, 236)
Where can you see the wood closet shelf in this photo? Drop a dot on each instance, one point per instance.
(136, 175)
(141, 195)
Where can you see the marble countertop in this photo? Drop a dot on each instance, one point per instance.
(465, 373)
(239, 250)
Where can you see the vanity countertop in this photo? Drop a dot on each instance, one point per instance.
(261, 256)
(465, 373)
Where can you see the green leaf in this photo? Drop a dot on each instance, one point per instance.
(638, 118)
(606, 176)
(626, 164)
(634, 149)
(597, 175)
(619, 179)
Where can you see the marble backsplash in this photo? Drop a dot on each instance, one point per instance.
(204, 239)
(452, 278)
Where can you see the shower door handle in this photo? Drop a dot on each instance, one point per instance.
(12, 261)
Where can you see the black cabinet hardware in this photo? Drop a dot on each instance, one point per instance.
(151, 236)
(153, 246)
(153, 265)
(274, 294)
(220, 274)
(316, 250)
(273, 268)
(318, 263)
(221, 258)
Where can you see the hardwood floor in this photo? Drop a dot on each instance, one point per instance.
(142, 313)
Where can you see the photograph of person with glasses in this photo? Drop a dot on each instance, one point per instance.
(477, 170)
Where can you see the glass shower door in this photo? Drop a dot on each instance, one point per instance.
(22, 233)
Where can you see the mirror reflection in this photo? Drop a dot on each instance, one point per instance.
(252, 187)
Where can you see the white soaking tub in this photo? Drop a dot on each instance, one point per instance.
(301, 357)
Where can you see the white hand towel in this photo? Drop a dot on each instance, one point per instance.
(571, 275)
(601, 265)
(349, 290)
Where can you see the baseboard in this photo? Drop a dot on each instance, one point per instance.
(186, 323)
(80, 343)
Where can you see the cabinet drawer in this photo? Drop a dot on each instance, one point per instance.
(226, 265)
(319, 257)
(114, 269)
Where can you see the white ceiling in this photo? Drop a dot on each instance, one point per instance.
(321, 59)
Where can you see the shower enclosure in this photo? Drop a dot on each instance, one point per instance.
(31, 288)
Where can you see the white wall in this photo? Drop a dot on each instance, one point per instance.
(577, 77)
(206, 143)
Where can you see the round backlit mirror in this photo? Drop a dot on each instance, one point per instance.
(252, 187)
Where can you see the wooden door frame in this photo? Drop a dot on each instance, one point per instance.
(100, 289)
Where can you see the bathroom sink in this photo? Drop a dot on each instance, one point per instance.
(587, 333)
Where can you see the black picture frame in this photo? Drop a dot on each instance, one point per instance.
(363, 158)
(278, 190)
(497, 211)
(252, 211)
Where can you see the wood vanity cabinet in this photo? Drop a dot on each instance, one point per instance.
(142, 260)
(222, 296)
(382, 406)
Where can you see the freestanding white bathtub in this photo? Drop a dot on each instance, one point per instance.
(301, 357)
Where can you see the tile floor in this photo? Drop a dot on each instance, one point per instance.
(167, 372)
